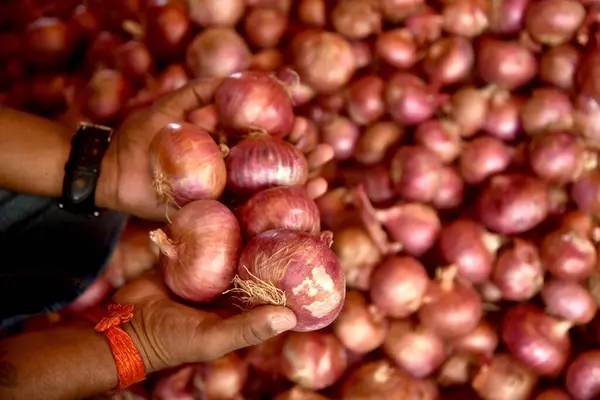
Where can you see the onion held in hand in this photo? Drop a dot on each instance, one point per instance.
(199, 250)
(296, 270)
(187, 164)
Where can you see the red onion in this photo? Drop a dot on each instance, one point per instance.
(569, 300)
(513, 203)
(468, 107)
(341, 134)
(483, 157)
(357, 255)
(417, 351)
(481, 341)
(49, 92)
(254, 101)
(553, 394)
(379, 380)
(536, 339)
(107, 92)
(176, 384)
(97, 293)
(294, 269)
(582, 223)
(457, 370)
(101, 51)
(558, 66)
(223, 378)
(173, 77)
(334, 207)
(449, 60)
(298, 393)
(364, 99)
(503, 116)
(304, 134)
(266, 356)
(441, 137)
(507, 17)
(425, 24)
(134, 60)
(313, 360)
(265, 27)
(359, 327)
(166, 29)
(281, 5)
(409, 101)
(450, 308)
(279, 208)
(554, 22)
(505, 63)
(207, 13)
(217, 52)
(465, 17)
(376, 140)
(585, 192)
(199, 250)
(504, 378)
(467, 245)
(363, 54)
(187, 164)
(568, 255)
(48, 43)
(312, 13)
(397, 47)
(547, 109)
(398, 10)
(267, 60)
(586, 75)
(451, 192)
(356, 19)
(416, 172)
(324, 60)
(581, 376)
(377, 183)
(85, 22)
(519, 272)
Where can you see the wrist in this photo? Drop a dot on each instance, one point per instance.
(107, 185)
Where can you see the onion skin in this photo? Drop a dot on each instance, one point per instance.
(585, 192)
(451, 192)
(175, 385)
(507, 64)
(581, 378)
(356, 19)
(504, 378)
(379, 380)
(48, 43)
(553, 394)
(416, 172)
(187, 164)
(304, 268)
(217, 52)
(547, 109)
(199, 250)
(264, 27)
(207, 13)
(397, 48)
(341, 134)
(254, 101)
(449, 60)
(558, 66)
(409, 100)
(441, 137)
(167, 29)
(106, 94)
(554, 22)
(558, 157)
(364, 99)
(519, 272)
(481, 341)
(223, 378)
(312, 13)
(313, 360)
(266, 356)
(568, 255)
(503, 117)
(357, 255)
(483, 157)
(298, 393)
(507, 17)
(569, 300)
(376, 141)
(260, 162)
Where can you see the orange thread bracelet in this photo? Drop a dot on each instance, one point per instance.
(130, 365)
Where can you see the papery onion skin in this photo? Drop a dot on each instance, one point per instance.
(254, 101)
(507, 17)
(416, 172)
(106, 94)
(223, 378)
(207, 13)
(186, 164)
(260, 162)
(568, 255)
(569, 300)
(483, 157)
(356, 19)
(554, 22)
(503, 117)
(451, 192)
(357, 255)
(397, 48)
(167, 29)
(582, 379)
(313, 360)
(504, 378)
(507, 64)
(266, 356)
(312, 13)
(217, 52)
(376, 140)
(519, 272)
(199, 250)
(304, 268)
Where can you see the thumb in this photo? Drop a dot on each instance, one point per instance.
(246, 329)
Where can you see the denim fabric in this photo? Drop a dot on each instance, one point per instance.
(49, 256)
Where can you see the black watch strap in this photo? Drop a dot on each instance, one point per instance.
(88, 147)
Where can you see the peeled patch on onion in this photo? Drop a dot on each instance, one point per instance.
(296, 270)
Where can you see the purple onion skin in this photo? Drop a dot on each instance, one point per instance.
(585, 192)
(483, 157)
(519, 273)
(508, 64)
(569, 300)
(507, 16)
(409, 101)
(416, 173)
(568, 255)
(558, 66)
(557, 157)
(554, 22)
(582, 380)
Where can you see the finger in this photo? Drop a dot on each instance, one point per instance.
(192, 96)
(316, 187)
(243, 330)
(145, 287)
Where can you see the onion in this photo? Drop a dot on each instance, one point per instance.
(49, 92)
(356, 19)
(107, 92)
(173, 77)
(585, 192)
(254, 101)
(586, 75)
(279, 208)
(558, 66)
(85, 22)
(223, 378)
(397, 47)
(507, 17)
(504, 378)
(451, 192)
(187, 164)
(324, 60)
(364, 99)
(569, 300)
(481, 341)
(357, 255)
(217, 52)
(505, 63)
(260, 162)
(166, 29)
(398, 10)
(267, 60)
(101, 51)
(177, 384)
(519, 272)
(513, 203)
(581, 376)
(294, 269)
(409, 101)
(425, 24)
(547, 109)
(199, 250)
(377, 183)
(554, 22)
(265, 27)
(483, 157)
(134, 60)
(536, 339)
(568, 255)
(359, 327)
(503, 116)
(465, 17)
(467, 245)
(304, 134)
(363, 54)
(416, 172)
(553, 394)
(468, 107)
(449, 60)
(376, 140)
(441, 137)
(334, 207)
(341, 134)
(48, 43)
(97, 293)
(207, 13)
(450, 308)
(298, 393)
(457, 370)
(281, 5)
(582, 223)
(313, 360)
(312, 13)
(266, 356)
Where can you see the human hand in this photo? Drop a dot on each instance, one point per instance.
(168, 333)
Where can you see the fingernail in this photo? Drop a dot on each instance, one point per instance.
(281, 324)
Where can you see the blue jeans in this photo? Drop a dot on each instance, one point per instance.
(49, 256)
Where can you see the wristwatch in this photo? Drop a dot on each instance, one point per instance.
(88, 146)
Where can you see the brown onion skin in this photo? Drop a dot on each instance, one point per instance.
(359, 327)
(260, 162)
(304, 356)
(324, 60)
(503, 117)
(569, 300)
(397, 48)
(585, 192)
(341, 134)
(223, 378)
(279, 208)
(536, 339)
(356, 19)
(254, 101)
(449, 60)
(481, 341)
(468, 108)
(558, 66)
(553, 394)
(483, 157)
(217, 52)
(298, 393)
(557, 157)
(357, 255)
(298, 264)
(409, 100)
(207, 13)
(364, 99)
(48, 43)
(505, 63)
(265, 27)
(416, 172)
(513, 203)
(519, 272)
(568, 255)
(441, 137)
(415, 226)
(546, 109)
(451, 192)
(376, 140)
(581, 380)
(554, 22)
(504, 378)
(167, 29)
(199, 250)
(398, 286)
